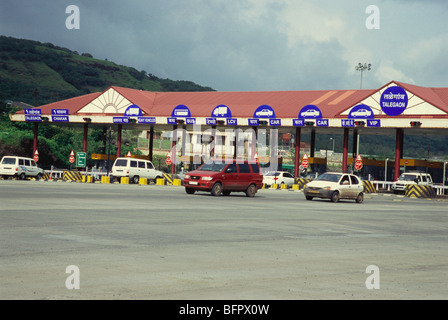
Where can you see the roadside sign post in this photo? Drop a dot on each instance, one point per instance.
(72, 157)
(81, 159)
(358, 162)
(36, 155)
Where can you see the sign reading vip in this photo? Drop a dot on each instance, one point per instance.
(59, 115)
(221, 111)
(133, 111)
(394, 101)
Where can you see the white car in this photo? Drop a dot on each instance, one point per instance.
(135, 169)
(362, 113)
(310, 113)
(409, 178)
(264, 112)
(278, 177)
(335, 186)
(21, 167)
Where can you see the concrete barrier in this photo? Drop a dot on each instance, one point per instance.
(72, 176)
(416, 191)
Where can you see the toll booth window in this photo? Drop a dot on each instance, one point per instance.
(121, 163)
(255, 168)
(133, 164)
(141, 165)
(244, 168)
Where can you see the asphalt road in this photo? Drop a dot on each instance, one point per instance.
(157, 242)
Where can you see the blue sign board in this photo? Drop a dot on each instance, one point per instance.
(33, 111)
(191, 120)
(221, 111)
(210, 121)
(120, 120)
(361, 111)
(231, 121)
(374, 123)
(181, 111)
(264, 111)
(59, 112)
(310, 112)
(347, 123)
(298, 122)
(253, 122)
(275, 122)
(59, 118)
(133, 111)
(322, 122)
(171, 120)
(147, 120)
(394, 101)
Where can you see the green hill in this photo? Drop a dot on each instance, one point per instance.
(39, 73)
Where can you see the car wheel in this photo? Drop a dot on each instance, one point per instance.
(22, 176)
(309, 198)
(39, 176)
(226, 193)
(360, 198)
(158, 177)
(217, 189)
(189, 190)
(135, 179)
(251, 191)
(335, 196)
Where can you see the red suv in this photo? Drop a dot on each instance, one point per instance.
(221, 177)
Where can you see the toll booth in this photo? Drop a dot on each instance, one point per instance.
(318, 165)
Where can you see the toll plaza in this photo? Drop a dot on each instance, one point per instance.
(225, 118)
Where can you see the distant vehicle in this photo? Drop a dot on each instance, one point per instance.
(21, 167)
(361, 113)
(278, 177)
(264, 112)
(135, 169)
(310, 113)
(335, 186)
(221, 178)
(411, 178)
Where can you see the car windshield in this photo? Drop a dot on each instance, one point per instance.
(213, 166)
(408, 177)
(332, 177)
(121, 163)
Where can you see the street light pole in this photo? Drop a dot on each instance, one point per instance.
(361, 67)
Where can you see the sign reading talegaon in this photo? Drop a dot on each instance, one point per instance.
(394, 101)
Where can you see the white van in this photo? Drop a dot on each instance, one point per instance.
(408, 178)
(21, 167)
(135, 169)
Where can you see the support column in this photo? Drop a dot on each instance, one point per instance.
(84, 139)
(355, 144)
(36, 132)
(213, 143)
(297, 153)
(253, 145)
(119, 140)
(151, 143)
(345, 150)
(173, 149)
(398, 152)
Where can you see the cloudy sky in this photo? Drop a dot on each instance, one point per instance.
(250, 45)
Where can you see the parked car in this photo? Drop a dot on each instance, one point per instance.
(135, 169)
(409, 178)
(21, 167)
(221, 178)
(335, 186)
(278, 177)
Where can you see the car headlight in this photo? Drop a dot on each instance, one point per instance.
(187, 176)
(207, 178)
